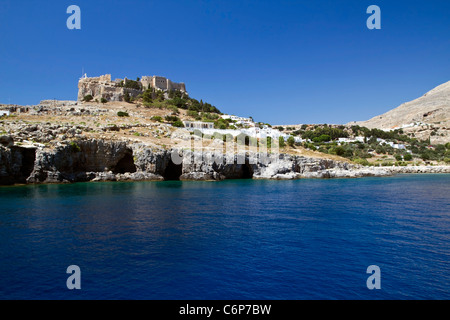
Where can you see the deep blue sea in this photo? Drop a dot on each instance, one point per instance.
(235, 239)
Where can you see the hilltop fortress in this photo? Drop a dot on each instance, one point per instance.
(104, 87)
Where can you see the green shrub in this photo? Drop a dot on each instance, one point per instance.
(173, 108)
(132, 84)
(291, 141)
(178, 124)
(178, 102)
(339, 151)
(266, 142)
(147, 96)
(88, 98)
(156, 118)
(123, 114)
(407, 157)
(192, 113)
(75, 147)
(171, 118)
(425, 156)
(322, 138)
(127, 97)
(361, 161)
(348, 153)
(281, 142)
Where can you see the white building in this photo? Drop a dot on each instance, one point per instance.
(246, 122)
(399, 146)
(4, 113)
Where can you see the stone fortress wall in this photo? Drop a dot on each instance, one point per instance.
(104, 87)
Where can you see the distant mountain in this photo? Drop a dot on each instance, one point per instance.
(427, 116)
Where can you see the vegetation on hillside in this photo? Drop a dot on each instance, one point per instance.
(376, 144)
(176, 99)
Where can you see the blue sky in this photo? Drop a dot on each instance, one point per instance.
(282, 62)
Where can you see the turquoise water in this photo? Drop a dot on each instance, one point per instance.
(236, 239)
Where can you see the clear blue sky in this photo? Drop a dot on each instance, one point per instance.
(282, 62)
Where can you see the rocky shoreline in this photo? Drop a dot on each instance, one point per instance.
(100, 160)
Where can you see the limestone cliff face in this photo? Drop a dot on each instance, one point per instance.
(16, 164)
(99, 160)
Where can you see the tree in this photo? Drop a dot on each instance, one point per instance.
(322, 138)
(425, 156)
(127, 97)
(339, 151)
(133, 84)
(281, 142)
(88, 98)
(172, 118)
(180, 103)
(147, 96)
(103, 100)
(291, 141)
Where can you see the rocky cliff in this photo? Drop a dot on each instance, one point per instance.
(100, 160)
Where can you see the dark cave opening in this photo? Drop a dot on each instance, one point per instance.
(246, 171)
(173, 171)
(25, 158)
(29, 157)
(126, 164)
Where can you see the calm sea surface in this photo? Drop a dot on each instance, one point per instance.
(236, 239)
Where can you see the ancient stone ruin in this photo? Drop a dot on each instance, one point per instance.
(104, 87)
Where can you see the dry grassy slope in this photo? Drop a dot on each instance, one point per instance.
(432, 108)
(137, 122)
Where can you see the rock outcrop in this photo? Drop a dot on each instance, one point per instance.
(99, 160)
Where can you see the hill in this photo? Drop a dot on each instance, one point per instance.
(425, 117)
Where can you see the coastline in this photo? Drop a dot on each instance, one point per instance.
(100, 160)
